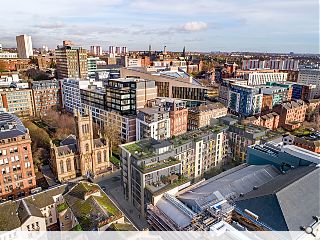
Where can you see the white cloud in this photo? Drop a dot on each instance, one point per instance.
(195, 26)
(50, 25)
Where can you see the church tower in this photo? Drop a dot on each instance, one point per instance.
(84, 133)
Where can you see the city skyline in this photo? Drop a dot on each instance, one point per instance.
(286, 26)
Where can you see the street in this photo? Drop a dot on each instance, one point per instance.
(114, 190)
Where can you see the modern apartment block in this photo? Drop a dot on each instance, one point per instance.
(203, 115)
(224, 87)
(291, 114)
(46, 95)
(17, 170)
(127, 95)
(17, 101)
(260, 78)
(277, 94)
(305, 92)
(245, 100)
(153, 123)
(93, 98)
(310, 76)
(301, 91)
(242, 136)
(149, 166)
(71, 62)
(172, 84)
(70, 90)
(92, 66)
(278, 64)
(24, 46)
(125, 124)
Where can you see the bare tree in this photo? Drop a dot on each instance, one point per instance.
(63, 123)
(112, 134)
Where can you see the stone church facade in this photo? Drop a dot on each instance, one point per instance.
(80, 155)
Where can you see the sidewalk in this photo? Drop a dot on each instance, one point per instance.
(130, 211)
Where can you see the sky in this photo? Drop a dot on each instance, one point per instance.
(199, 25)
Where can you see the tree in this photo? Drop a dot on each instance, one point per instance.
(112, 134)
(40, 144)
(62, 122)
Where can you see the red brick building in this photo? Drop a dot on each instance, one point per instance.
(267, 103)
(14, 64)
(17, 176)
(311, 143)
(270, 120)
(46, 95)
(178, 121)
(291, 114)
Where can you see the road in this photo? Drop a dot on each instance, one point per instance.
(114, 190)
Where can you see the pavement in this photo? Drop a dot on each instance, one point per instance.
(114, 190)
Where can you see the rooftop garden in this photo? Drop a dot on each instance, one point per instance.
(77, 228)
(61, 207)
(166, 185)
(133, 148)
(121, 227)
(158, 165)
(106, 203)
(185, 138)
(141, 149)
(87, 210)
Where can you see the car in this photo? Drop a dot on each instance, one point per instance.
(103, 188)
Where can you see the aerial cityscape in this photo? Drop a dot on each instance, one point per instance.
(191, 126)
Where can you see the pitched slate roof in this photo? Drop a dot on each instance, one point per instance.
(90, 205)
(26, 210)
(71, 139)
(14, 213)
(98, 143)
(45, 198)
(288, 201)
(67, 149)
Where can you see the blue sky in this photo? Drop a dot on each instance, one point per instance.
(200, 25)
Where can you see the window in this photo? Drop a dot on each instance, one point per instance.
(105, 155)
(68, 165)
(87, 147)
(99, 157)
(61, 166)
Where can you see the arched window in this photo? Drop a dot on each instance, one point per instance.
(61, 166)
(105, 155)
(87, 147)
(68, 165)
(99, 157)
